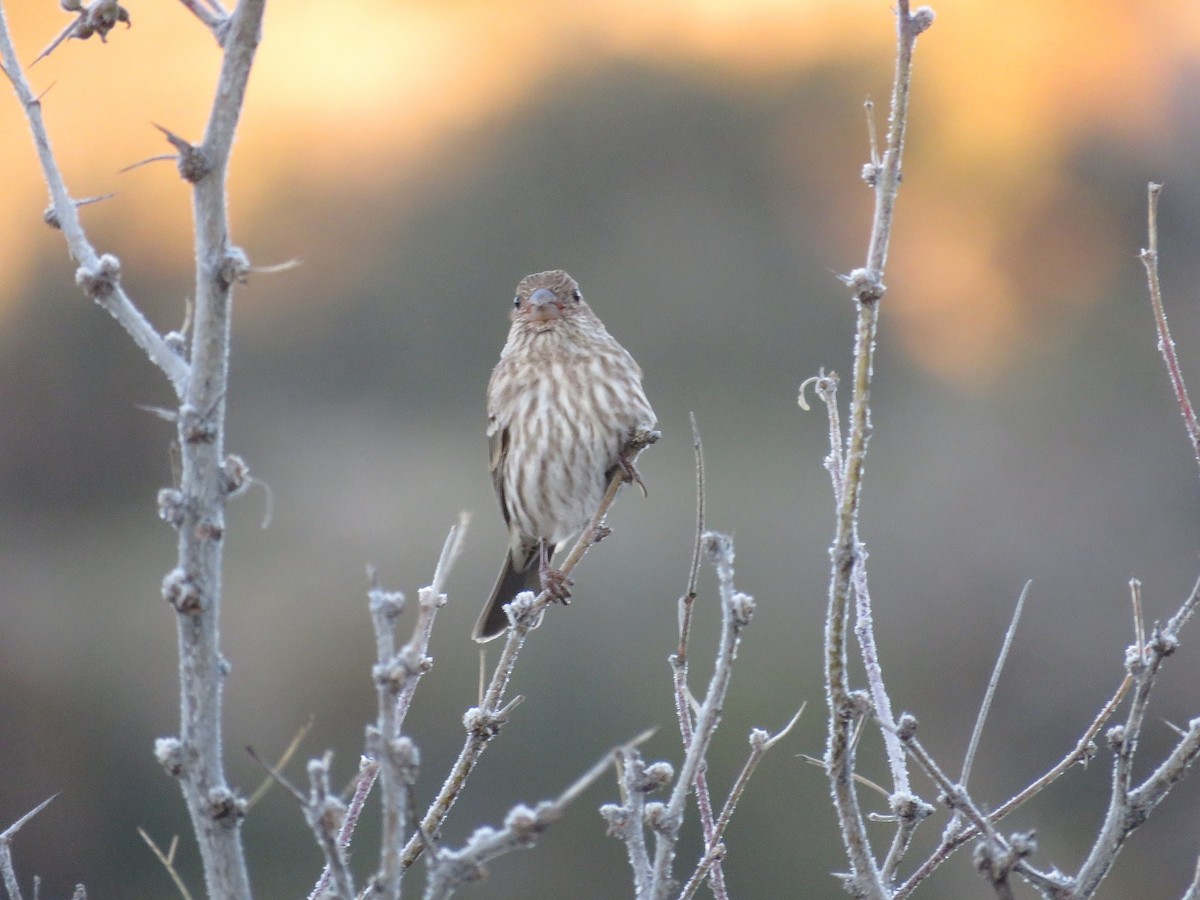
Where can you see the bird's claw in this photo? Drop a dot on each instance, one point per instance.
(631, 473)
(639, 440)
(556, 585)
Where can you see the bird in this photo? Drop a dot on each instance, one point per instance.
(563, 404)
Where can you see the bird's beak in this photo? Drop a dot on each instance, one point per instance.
(544, 306)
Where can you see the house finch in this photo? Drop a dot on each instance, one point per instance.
(563, 403)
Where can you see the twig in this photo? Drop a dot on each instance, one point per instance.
(168, 861)
(485, 721)
(368, 769)
(448, 869)
(864, 631)
(1083, 751)
(98, 276)
(825, 387)
(1166, 345)
(867, 286)
(326, 814)
(689, 597)
(213, 17)
(760, 743)
(998, 856)
(960, 833)
(99, 18)
(679, 671)
(396, 675)
(736, 611)
(1128, 806)
(281, 763)
(986, 705)
(7, 872)
(194, 586)
(51, 219)
(626, 819)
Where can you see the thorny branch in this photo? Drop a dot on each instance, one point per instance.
(631, 819)
(684, 701)
(7, 872)
(99, 276)
(483, 722)
(847, 553)
(1166, 345)
(196, 506)
(397, 672)
(449, 869)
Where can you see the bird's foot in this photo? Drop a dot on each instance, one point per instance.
(556, 585)
(625, 462)
(638, 441)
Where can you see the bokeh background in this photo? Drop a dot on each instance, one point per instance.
(696, 165)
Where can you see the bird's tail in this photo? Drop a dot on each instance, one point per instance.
(493, 621)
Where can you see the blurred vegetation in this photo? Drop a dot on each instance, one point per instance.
(705, 218)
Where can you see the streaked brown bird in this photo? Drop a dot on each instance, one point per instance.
(563, 403)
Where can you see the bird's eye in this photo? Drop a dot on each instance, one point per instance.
(578, 296)
(516, 301)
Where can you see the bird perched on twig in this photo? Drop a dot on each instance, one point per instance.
(564, 402)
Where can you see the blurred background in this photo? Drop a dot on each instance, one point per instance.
(696, 165)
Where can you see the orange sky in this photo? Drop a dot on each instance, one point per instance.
(1003, 92)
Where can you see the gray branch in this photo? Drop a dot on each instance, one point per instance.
(847, 554)
(396, 674)
(736, 611)
(197, 507)
(326, 814)
(7, 872)
(194, 586)
(450, 869)
(484, 722)
(99, 276)
(629, 820)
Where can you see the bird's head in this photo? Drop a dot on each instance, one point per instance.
(547, 298)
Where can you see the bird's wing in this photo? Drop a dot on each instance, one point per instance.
(498, 445)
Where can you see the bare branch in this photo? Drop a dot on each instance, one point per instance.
(449, 869)
(194, 586)
(368, 769)
(825, 387)
(326, 814)
(736, 611)
(986, 705)
(168, 861)
(997, 857)
(98, 276)
(485, 721)
(760, 743)
(1166, 345)
(281, 763)
(1083, 751)
(99, 18)
(864, 631)
(688, 599)
(1128, 806)
(1193, 891)
(847, 553)
(396, 674)
(679, 669)
(626, 819)
(7, 872)
(212, 15)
